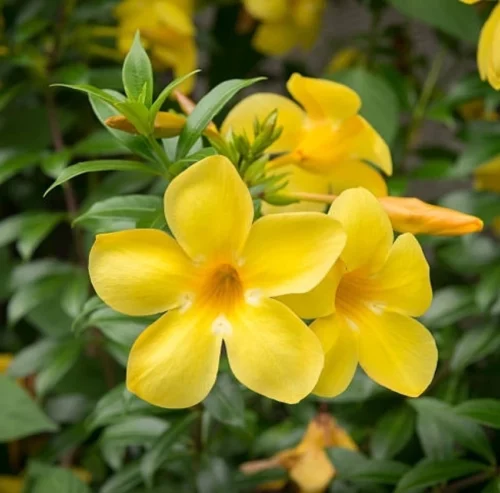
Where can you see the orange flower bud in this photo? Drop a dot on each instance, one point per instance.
(166, 124)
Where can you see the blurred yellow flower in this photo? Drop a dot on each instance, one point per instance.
(11, 484)
(308, 463)
(367, 302)
(487, 176)
(344, 59)
(285, 24)
(217, 279)
(5, 361)
(325, 142)
(488, 53)
(167, 31)
(476, 110)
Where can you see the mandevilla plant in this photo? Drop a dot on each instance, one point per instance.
(243, 300)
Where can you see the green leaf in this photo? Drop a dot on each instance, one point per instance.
(10, 228)
(126, 480)
(476, 153)
(64, 357)
(214, 476)
(31, 358)
(380, 103)
(121, 212)
(449, 305)
(436, 441)
(208, 107)
(487, 291)
(392, 432)
(450, 16)
(12, 165)
(137, 114)
(428, 473)
(483, 411)
(469, 434)
(160, 100)
(104, 165)
(137, 73)
(158, 454)
(20, 416)
(35, 228)
(76, 294)
(355, 467)
(225, 402)
(92, 91)
(98, 144)
(53, 164)
(136, 143)
(475, 345)
(57, 480)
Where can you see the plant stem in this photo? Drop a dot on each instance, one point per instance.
(470, 481)
(160, 154)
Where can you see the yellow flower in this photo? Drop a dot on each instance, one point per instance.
(11, 484)
(345, 58)
(308, 464)
(217, 278)
(285, 24)
(325, 143)
(167, 30)
(487, 176)
(5, 361)
(367, 302)
(488, 53)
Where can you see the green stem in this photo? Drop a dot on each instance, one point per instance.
(161, 155)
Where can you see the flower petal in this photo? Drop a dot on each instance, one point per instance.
(313, 470)
(209, 209)
(370, 146)
(299, 180)
(397, 352)
(369, 231)
(258, 106)
(340, 345)
(487, 176)
(290, 253)
(265, 10)
(273, 352)
(275, 38)
(140, 271)
(486, 44)
(174, 362)
(403, 285)
(324, 99)
(352, 174)
(320, 301)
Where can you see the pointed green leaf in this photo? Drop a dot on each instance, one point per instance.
(483, 411)
(137, 73)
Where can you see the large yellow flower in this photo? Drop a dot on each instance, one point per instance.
(488, 53)
(371, 295)
(167, 30)
(325, 142)
(285, 24)
(217, 281)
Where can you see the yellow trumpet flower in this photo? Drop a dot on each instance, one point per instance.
(285, 24)
(167, 30)
(488, 53)
(367, 301)
(217, 280)
(325, 143)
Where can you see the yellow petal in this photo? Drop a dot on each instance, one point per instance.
(5, 361)
(324, 99)
(313, 471)
(273, 352)
(487, 176)
(174, 362)
(403, 285)
(397, 352)
(172, 17)
(370, 146)
(299, 180)
(275, 39)
(267, 10)
(352, 174)
(340, 345)
(11, 484)
(486, 43)
(320, 301)
(369, 231)
(166, 124)
(209, 209)
(140, 271)
(258, 106)
(470, 2)
(290, 253)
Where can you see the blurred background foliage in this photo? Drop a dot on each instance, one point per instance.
(67, 424)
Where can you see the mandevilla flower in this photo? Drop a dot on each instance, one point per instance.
(217, 279)
(285, 24)
(167, 30)
(367, 302)
(488, 53)
(325, 143)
